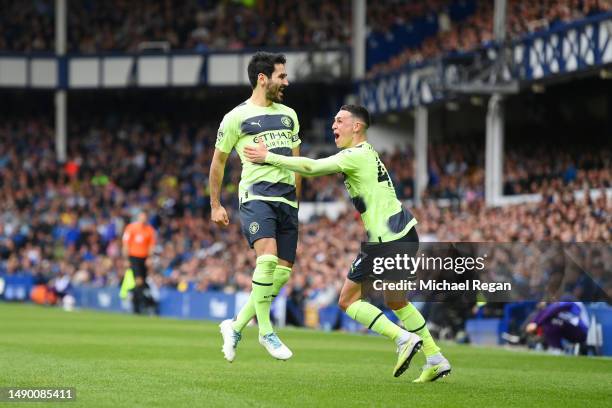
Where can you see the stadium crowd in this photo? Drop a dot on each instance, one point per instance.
(201, 25)
(64, 221)
(430, 29)
(398, 32)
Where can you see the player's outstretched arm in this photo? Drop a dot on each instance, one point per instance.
(217, 169)
(302, 165)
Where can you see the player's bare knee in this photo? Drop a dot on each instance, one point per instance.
(350, 293)
(344, 302)
(282, 262)
(265, 246)
(395, 304)
(346, 299)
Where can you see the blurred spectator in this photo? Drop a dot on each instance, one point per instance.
(560, 322)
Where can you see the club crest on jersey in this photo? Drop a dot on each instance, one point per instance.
(219, 136)
(286, 121)
(253, 228)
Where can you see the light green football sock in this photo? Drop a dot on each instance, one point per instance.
(373, 318)
(415, 323)
(261, 292)
(127, 284)
(247, 312)
(281, 276)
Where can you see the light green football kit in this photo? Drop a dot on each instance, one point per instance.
(277, 125)
(368, 184)
(264, 191)
(385, 220)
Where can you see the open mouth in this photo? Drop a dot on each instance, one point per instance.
(336, 136)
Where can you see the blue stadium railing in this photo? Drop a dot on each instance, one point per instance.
(571, 48)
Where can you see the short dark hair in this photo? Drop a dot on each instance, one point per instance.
(263, 62)
(359, 112)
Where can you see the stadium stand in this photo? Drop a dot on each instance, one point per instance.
(418, 31)
(66, 220)
(36, 16)
(399, 32)
(118, 25)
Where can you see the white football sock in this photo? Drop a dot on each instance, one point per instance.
(403, 337)
(435, 359)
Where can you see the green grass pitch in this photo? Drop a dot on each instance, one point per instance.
(127, 361)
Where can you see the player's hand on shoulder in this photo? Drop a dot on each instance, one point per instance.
(219, 216)
(256, 154)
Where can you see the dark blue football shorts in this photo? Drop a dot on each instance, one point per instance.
(271, 219)
(358, 274)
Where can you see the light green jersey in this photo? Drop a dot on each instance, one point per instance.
(277, 125)
(368, 184)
